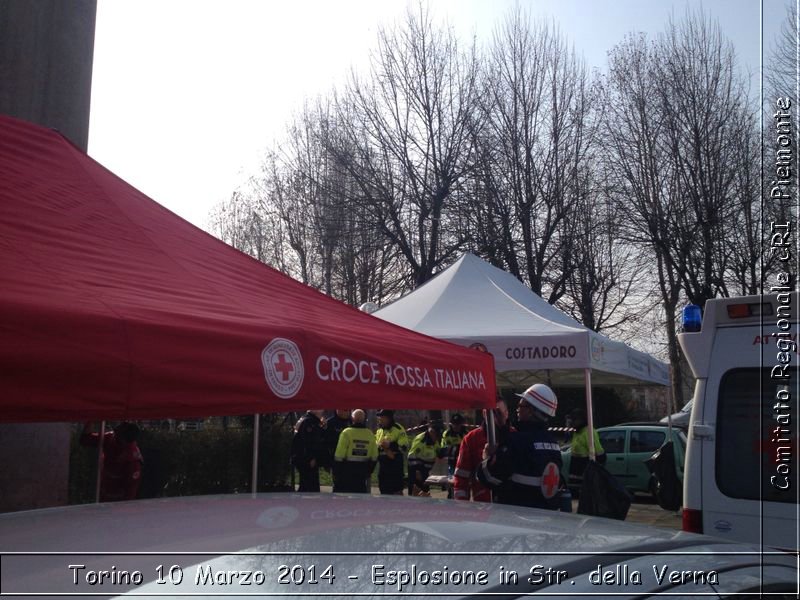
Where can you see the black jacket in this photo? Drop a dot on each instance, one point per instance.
(334, 426)
(526, 469)
(308, 443)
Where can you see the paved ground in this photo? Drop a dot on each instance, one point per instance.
(652, 514)
(643, 510)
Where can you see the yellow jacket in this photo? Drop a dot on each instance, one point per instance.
(356, 444)
(580, 443)
(398, 439)
(423, 451)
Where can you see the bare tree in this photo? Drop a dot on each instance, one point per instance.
(532, 153)
(240, 222)
(781, 73)
(405, 130)
(594, 197)
(303, 215)
(781, 163)
(640, 171)
(705, 107)
(608, 289)
(678, 114)
(748, 257)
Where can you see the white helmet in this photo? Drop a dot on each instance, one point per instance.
(542, 398)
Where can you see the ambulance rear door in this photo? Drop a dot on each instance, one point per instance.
(735, 429)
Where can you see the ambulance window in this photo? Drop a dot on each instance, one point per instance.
(749, 464)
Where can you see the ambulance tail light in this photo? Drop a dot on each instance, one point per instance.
(742, 311)
(692, 318)
(692, 520)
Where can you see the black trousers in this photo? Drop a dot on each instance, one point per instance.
(412, 478)
(390, 475)
(350, 478)
(309, 479)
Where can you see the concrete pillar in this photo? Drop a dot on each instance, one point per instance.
(46, 52)
(34, 465)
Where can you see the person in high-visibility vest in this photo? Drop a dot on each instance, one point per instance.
(525, 470)
(579, 446)
(451, 440)
(355, 456)
(425, 449)
(392, 444)
(450, 443)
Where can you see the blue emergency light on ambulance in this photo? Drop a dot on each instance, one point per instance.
(692, 318)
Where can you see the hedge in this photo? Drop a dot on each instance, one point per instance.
(182, 463)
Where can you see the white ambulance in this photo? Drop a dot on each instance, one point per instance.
(742, 474)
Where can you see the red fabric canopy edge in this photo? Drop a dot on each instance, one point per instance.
(112, 307)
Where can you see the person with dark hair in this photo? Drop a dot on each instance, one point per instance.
(308, 451)
(122, 461)
(334, 426)
(392, 442)
(525, 469)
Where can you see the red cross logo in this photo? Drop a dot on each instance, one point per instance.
(284, 367)
(275, 518)
(550, 480)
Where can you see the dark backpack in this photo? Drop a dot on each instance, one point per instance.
(602, 495)
(666, 485)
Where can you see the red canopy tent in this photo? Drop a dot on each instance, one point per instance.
(112, 307)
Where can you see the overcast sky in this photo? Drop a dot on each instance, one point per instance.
(187, 94)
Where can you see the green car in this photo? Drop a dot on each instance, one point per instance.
(628, 446)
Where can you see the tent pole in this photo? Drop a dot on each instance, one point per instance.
(491, 435)
(587, 374)
(254, 475)
(100, 441)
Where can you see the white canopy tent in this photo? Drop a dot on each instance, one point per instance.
(474, 304)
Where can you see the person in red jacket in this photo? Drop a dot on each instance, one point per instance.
(122, 461)
(470, 455)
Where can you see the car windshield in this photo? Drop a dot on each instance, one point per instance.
(255, 571)
(294, 544)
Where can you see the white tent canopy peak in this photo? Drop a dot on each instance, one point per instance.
(475, 304)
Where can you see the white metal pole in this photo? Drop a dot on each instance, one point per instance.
(100, 460)
(589, 416)
(669, 427)
(254, 475)
(491, 435)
